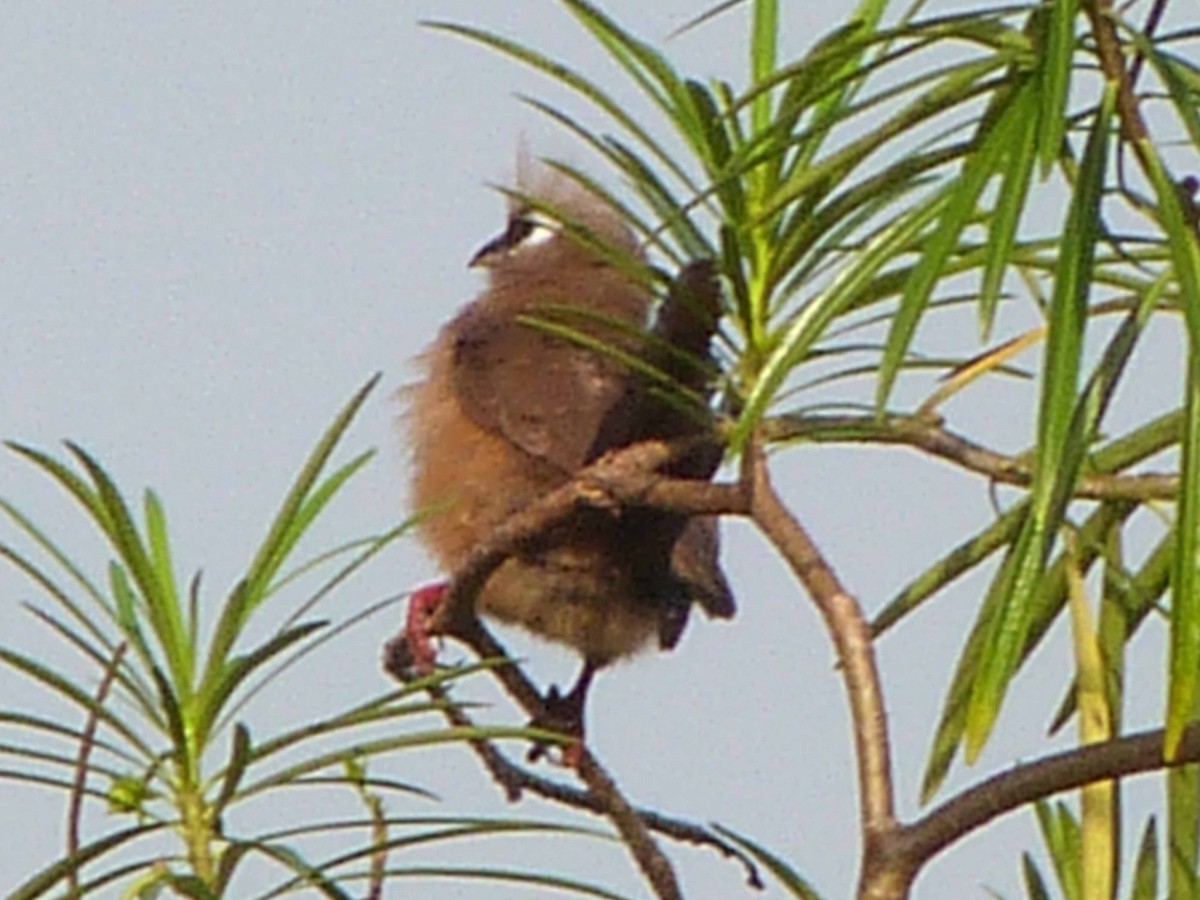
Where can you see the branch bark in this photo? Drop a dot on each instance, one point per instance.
(931, 437)
(893, 853)
(851, 636)
(515, 780)
(1010, 790)
(626, 477)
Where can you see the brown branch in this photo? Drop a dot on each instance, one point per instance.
(1112, 62)
(1153, 20)
(650, 859)
(87, 741)
(1133, 125)
(626, 477)
(514, 780)
(851, 636)
(929, 436)
(1023, 784)
(601, 788)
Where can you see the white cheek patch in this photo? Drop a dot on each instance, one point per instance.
(543, 229)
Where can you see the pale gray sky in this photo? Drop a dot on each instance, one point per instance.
(218, 219)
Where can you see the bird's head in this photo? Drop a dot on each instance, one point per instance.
(554, 221)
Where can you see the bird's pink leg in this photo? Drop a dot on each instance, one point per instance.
(422, 605)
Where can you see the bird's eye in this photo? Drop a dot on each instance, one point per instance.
(530, 229)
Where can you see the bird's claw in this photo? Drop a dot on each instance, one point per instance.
(562, 714)
(418, 639)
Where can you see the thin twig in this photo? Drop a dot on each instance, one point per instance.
(86, 742)
(929, 436)
(632, 828)
(514, 780)
(601, 788)
(1112, 62)
(851, 636)
(601, 797)
(626, 477)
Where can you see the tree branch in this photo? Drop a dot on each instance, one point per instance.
(87, 742)
(851, 636)
(625, 477)
(514, 780)
(1010, 790)
(892, 853)
(929, 436)
(605, 796)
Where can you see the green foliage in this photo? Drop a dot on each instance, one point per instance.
(170, 754)
(849, 194)
(886, 174)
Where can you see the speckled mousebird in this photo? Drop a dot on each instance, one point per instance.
(508, 411)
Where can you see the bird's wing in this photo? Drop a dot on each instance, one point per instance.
(695, 560)
(549, 395)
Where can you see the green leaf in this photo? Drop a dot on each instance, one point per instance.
(128, 795)
(273, 552)
(1049, 602)
(575, 82)
(54, 875)
(164, 575)
(67, 565)
(66, 688)
(1060, 832)
(1035, 885)
(128, 620)
(1145, 871)
(1184, 661)
(190, 886)
(1175, 73)
(1057, 48)
(75, 486)
(1061, 442)
(282, 535)
(999, 129)
(297, 773)
(964, 558)
(127, 678)
(235, 672)
(240, 754)
(764, 43)
(1017, 169)
(810, 323)
(307, 874)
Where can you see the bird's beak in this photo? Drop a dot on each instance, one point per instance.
(486, 255)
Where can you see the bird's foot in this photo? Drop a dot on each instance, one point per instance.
(564, 715)
(413, 651)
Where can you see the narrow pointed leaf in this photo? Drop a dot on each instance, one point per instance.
(1061, 441)
(1035, 884)
(997, 131)
(240, 754)
(1057, 48)
(55, 875)
(1184, 662)
(1010, 203)
(1145, 870)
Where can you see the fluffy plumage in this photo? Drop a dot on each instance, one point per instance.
(507, 411)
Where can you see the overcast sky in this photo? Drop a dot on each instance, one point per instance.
(218, 219)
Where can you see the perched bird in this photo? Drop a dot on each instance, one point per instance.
(509, 409)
